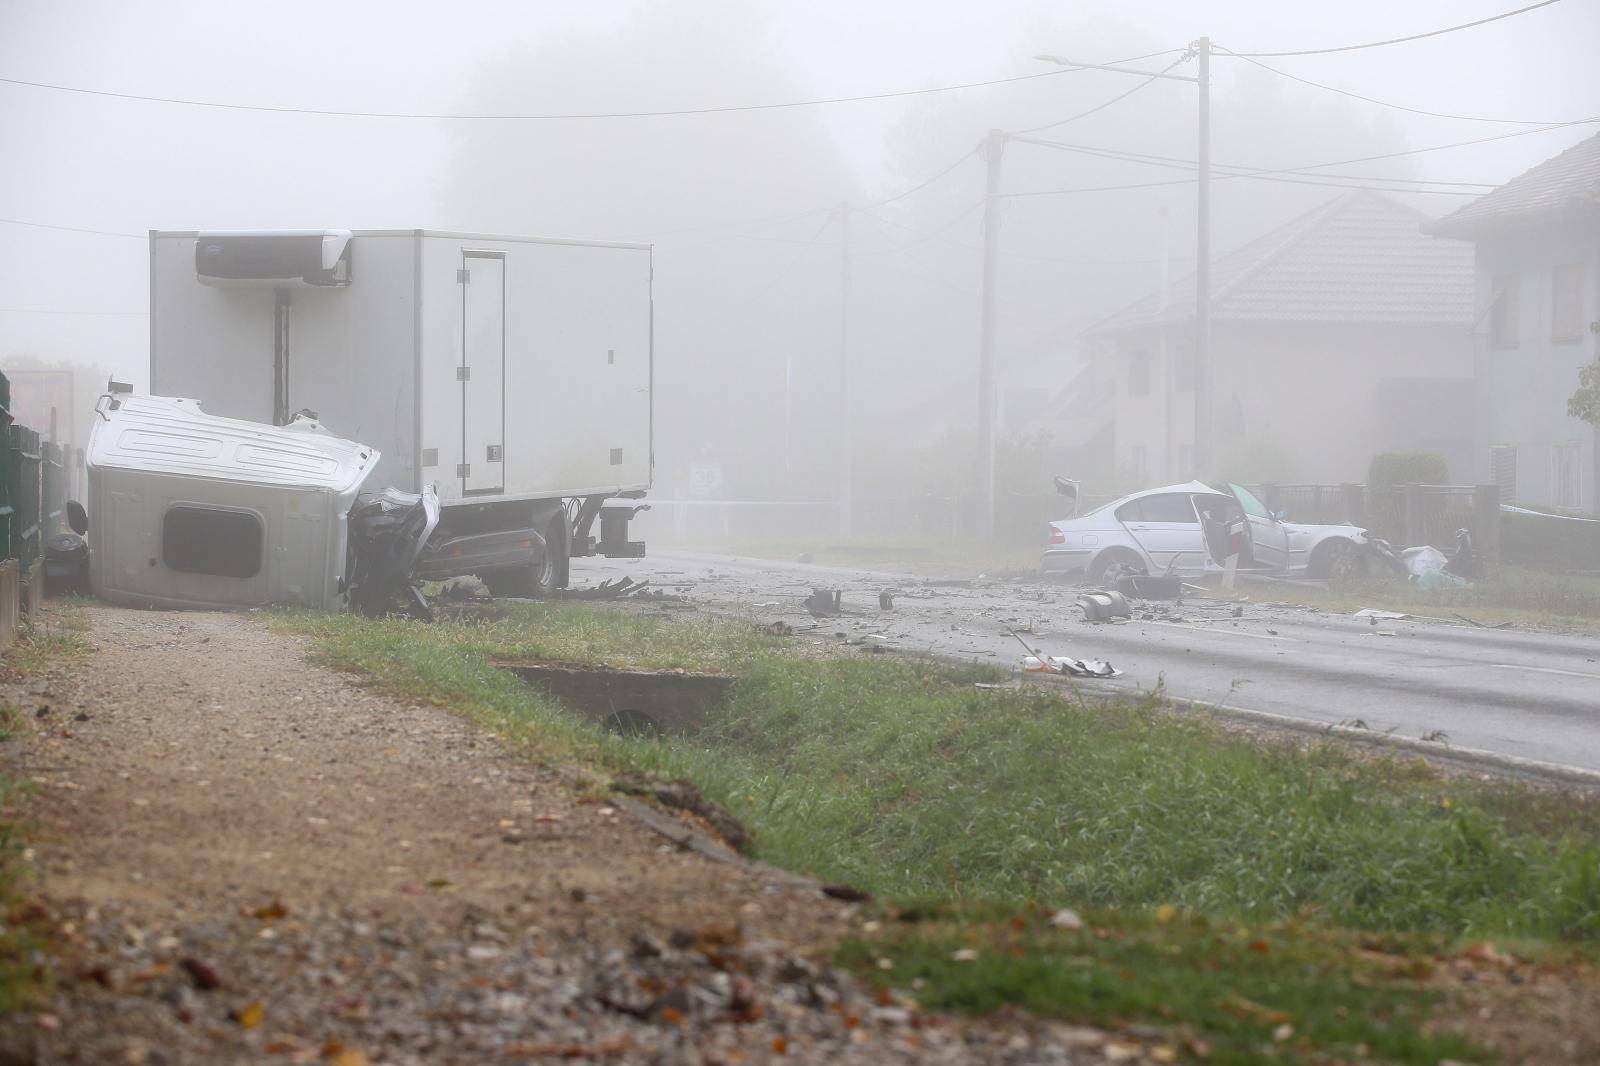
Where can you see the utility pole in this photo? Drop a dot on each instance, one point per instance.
(846, 456)
(1204, 405)
(994, 148)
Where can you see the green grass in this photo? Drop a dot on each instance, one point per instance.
(902, 778)
(1237, 994)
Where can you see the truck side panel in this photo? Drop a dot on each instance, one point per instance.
(351, 349)
(577, 367)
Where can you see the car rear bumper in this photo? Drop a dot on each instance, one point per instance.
(1065, 560)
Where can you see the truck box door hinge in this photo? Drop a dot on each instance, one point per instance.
(463, 276)
(463, 373)
(463, 470)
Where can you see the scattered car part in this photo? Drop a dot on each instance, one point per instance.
(388, 530)
(1104, 606)
(1150, 586)
(824, 603)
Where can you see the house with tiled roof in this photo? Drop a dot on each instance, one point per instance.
(1537, 245)
(1337, 335)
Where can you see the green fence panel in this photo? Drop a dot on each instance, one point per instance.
(23, 479)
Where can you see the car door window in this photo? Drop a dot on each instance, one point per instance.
(1169, 507)
(1252, 506)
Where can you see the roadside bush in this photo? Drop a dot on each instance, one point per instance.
(1389, 469)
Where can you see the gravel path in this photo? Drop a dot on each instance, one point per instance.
(253, 859)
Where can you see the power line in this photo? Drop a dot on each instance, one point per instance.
(62, 311)
(789, 268)
(1398, 40)
(921, 185)
(930, 235)
(1190, 164)
(1101, 107)
(72, 229)
(1375, 100)
(1281, 174)
(557, 117)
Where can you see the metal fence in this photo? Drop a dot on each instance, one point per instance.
(35, 478)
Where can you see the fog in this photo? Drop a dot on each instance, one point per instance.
(741, 206)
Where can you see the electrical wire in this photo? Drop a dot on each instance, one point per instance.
(72, 229)
(1191, 164)
(783, 274)
(556, 117)
(1398, 40)
(1101, 107)
(920, 185)
(62, 311)
(1374, 100)
(930, 235)
(1281, 174)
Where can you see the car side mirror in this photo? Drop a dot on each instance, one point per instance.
(77, 518)
(1279, 516)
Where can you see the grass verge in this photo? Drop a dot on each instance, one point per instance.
(1225, 993)
(903, 778)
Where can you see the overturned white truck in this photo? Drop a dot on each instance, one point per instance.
(511, 375)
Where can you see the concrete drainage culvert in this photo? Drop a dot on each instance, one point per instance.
(629, 702)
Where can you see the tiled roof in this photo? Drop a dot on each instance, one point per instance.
(1358, 258)
(1567, 185)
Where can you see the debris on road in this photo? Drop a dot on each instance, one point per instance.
(1037, 662)
(885, 600)
(1481, 625)
(1373, 615)
(1104, 606)
(1057, 664)
(825, 603)
(1150, 586)
(617, 589)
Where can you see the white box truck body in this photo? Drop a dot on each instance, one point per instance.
(514, 374)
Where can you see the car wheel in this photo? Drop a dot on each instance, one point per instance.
(1124, 561)
(1337, 558)
(536, 579)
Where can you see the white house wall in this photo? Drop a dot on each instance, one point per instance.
(1523, 391)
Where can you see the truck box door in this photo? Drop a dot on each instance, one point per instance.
(483, 373)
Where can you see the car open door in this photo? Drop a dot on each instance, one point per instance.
(1269, 538)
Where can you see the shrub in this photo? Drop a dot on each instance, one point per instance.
(1389, 469)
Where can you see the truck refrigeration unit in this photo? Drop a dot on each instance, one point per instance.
(513, 374)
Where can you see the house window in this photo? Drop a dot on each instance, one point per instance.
(1565, 463)
(1566, 303)
(1183, 368)
(210, 540)
(1503, 312)
(1139, 374)
(1503, 470)
(1136, 458)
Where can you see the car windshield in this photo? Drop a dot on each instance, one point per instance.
(1247, 500)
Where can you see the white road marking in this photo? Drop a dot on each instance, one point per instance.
(1228, 632)
(1545, 670)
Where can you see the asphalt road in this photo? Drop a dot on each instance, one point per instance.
(1524, 694)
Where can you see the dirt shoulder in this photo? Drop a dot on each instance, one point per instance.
(249, 857)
